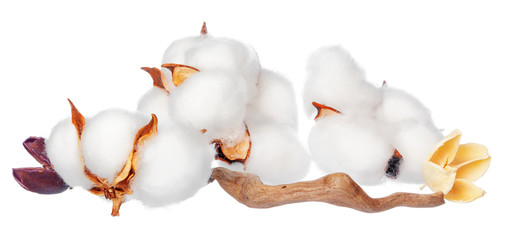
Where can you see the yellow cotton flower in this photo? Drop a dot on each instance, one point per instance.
(451, 168)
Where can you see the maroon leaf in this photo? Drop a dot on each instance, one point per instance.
(37, 148)
(39, 180)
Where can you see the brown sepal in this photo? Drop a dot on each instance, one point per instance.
(158, 78)
(179, 72)
(204, 29)
(77, 119)
(238, 152)
(324, 111)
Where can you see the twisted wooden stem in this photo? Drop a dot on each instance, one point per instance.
(337, 189)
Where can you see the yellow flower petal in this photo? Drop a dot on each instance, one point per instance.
(445, 151)
(464, 191)
(468, 153)
(473, 170)
(438, 179)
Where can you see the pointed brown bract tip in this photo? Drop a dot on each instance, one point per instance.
(77, 119)
(384, 84)
(147, 130)
(158, 78)
(324, 111)
(179, 72)
(204, 29)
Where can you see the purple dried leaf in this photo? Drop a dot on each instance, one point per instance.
(39, 180)
(37, 148)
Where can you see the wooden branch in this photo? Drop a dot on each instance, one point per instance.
(337, 189)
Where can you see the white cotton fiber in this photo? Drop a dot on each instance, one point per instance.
(64, 154)
(108, 140)
(274, 101)
(334, 79)
(155, 101)
(174, 164)
(398, 106)
(212, 100)
(227, 55)
(176, 52)
(277, 156)
(353, 146)
(414, 141)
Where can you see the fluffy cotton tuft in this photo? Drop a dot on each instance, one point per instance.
(64, 154)
(174, 164)
(227, 55)
(398, 106)
(176, 52)
(334, 79)
(277, 156)
(414, 141)
(108, 139)
(274, 101)
(155, 101)
(343, 144)
(213, 100)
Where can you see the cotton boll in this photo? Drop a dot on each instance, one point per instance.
(64, 154)
(108, 140)
(353, 146)
(228, 55)
(212, 100)
(273, 102)
(277, 156)
(399, 106)
(173, 165)
(414, 141)
(334, 79)
(155, 101)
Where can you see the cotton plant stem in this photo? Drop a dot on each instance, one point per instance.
(337, 189)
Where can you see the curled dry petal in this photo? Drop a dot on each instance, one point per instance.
(437, 178)
(39, 180)
(324, 111)
(179, 72)
(464, 191)
(473, 170)
(445, 151)
(235, 152)
(451, 168)
(158, 78)
(37, 148)
(472, 161)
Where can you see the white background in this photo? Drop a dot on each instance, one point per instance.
(452, 55)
